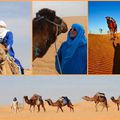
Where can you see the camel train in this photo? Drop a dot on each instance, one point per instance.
(36, 100)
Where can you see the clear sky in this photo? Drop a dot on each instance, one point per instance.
(64, 8)
(17, 16)
(75, 87)
(97, 13)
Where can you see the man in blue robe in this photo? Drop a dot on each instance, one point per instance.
(71, 57)
(6, 38)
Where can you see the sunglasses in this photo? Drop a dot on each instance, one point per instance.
(73, 29)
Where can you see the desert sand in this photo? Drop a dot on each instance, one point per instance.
(83, 111)
(46, 64)
(100, 53)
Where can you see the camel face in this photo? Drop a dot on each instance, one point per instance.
(62, 28)
(46, 27)
(86, 98)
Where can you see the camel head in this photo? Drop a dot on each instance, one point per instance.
(86, 98)
(3, 52)
(46, 27)
(25, 97)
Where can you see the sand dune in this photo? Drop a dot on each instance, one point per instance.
(46, 65)
(100, 54)
(83, 111)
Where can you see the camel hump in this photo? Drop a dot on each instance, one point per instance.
(119, 98)
(100, 94)
(36, 97)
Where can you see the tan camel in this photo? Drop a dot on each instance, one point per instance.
(7, 65)
(35, 100)
(98, 98)
(59, 104)
(116, 101)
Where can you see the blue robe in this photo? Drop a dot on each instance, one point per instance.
(8, 42)
(73, 54)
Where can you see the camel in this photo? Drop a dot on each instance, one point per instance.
(46, 27)
(98, 98)
(59, 104)
(35, 100)
(112, 26)
(7, 65)
(116, 101)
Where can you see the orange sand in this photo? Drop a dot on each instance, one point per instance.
(100, 54)
(83, 111)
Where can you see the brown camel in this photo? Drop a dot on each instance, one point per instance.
(116, 101)
(7, 65)
(46, 27)
(35, 100)
(59, 104)
(98, 98)
(112, 25)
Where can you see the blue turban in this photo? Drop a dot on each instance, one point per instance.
(73, 53)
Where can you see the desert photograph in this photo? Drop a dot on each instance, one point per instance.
(59, 97)
(71, 13)
(15, 38)
(104, 37)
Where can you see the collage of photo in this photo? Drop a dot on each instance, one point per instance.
(59, 60)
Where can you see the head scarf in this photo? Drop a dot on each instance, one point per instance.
(79, 40)
(4, 30)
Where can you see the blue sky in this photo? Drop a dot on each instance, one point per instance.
(17, 16)
(75, 87)
(97, 13)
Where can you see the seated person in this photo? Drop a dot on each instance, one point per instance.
(6, 38)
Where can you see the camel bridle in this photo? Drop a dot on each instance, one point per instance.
(58, 31)
(58, 26)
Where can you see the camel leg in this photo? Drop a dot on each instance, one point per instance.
(118, 106)
(71, 108)
(96, 107)
(61, 109)
(102, 108)
(43, 107)
(106, 105)
(57, 109)
(30, 108)
(38, 108)
(33, 108)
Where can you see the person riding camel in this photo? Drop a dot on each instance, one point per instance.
(6, 38)
(36, 97)
(64, 99)
(15, 99)
(110, 19)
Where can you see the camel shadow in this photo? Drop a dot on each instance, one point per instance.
(116, 59)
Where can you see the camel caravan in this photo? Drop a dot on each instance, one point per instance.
(37, 101)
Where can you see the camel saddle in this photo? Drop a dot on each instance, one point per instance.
(13, 66)
(36, 97)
